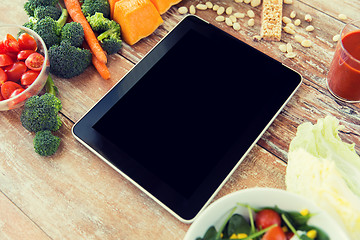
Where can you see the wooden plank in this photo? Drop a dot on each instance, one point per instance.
(15, 225)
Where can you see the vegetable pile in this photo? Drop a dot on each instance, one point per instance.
(20, 64)
(325, 169)
(268, 223)
(64, 31)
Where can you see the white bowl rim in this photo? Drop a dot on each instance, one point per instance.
(269, 194)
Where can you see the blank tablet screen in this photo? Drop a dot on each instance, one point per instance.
(188, 119)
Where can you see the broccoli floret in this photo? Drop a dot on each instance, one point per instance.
(47, 11)
(98, 22)
(111, 45)
(109, 30)
(41, 112)
(31, 5)
(46, 144)
(68, 61)
(90, 7)
(73, 32)
(49, 29)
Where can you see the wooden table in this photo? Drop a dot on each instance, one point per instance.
(75, 195)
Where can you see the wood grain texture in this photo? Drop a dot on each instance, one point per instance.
(75, 195)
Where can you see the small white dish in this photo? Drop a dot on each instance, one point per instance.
(216, 213)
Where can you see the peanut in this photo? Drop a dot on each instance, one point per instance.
(309, 28)
(251, 22)
(201, 6)
(192, 9)
(229, 10)
(251, 13)
(220, 11)
(220, 18)
(183, 10)
(236, 26)
(306, 43)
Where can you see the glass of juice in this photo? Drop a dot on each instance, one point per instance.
(343, 79)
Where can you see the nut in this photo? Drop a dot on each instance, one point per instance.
(220, 11)
(286, 20)
(342, 16)
(336, 38)
(289, 30)
(183, 10)
(298, 38)
(209, 5)
(251, 13)
(308, 18)
(251, 22)
(290, 25)
(306, 43)
(297, 22)
(192, 9)
(239, 15)
(228, 22)
(310, 28)
(289, 47)
(201, 6)
(229, 10)
(282, 48)
(215, 7)
(220, 18)
(232, 18)
(290, 55)
(293, 14)
(255, 3)
(236, 26)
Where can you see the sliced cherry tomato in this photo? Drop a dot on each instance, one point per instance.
(3, 76)
(266, 218)
(11, 44)
(2, 47)
(27, 42)
(16, 92)
(24, 54)
(8, 87)
(289, 235)
(29, 77)
(275, 233)
(15, 70)
(5, 60)
(35, 61)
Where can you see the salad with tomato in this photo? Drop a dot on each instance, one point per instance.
(268, 223)
(20, 64)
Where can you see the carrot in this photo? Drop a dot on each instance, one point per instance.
(74, 10)
(101, 68)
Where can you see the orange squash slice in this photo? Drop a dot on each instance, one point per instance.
(137, 18)
(112, 7)
(163, 5)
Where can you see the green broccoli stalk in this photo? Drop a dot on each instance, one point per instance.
(45, 143)
(49, 29)
(31, 5)
(74, 33)
(41, 115)
(68, 61)
(90, 7)
(109, 32)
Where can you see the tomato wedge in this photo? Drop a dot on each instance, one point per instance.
(15, 70)
(29, 77)
(16, 92)
(5, 60)
(3, 76)
(27, 42)
(24, 54)
(275, 233)
(2, 47)
(7, 88)
(11, 44)
(35, 61)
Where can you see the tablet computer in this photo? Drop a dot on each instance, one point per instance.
(182, 119)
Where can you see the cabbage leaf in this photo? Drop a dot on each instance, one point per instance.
(327, 170)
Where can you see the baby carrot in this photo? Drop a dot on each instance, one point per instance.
(101, 68)
(74, 10)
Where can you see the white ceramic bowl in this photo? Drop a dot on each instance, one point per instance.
(215, 214)
(39, 82)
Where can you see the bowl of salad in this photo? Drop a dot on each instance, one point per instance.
(264, 214)
(24, 65)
